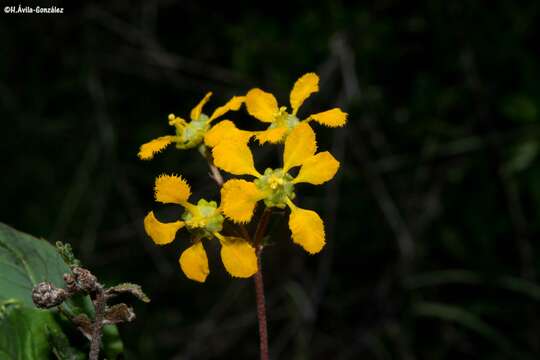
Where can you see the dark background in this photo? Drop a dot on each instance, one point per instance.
(432, 223)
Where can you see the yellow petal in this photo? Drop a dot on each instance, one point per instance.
(299, 146)
(238, 199)
(233, 104)
(274, 135)
(161, 233)
(332, 118)
(303, 88)
(148, 150)
(219, 132)
(171, 189)
(261, 105)
(307, 229)
(226, 130)
(238, 257)
(194, 262)
(234, 157)
(197, 110)
(318, 169)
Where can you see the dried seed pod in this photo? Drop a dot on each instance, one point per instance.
(85, 280)
(46, 295)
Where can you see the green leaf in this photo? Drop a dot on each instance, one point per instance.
(24, 262)
(27, 334)
(112, 344)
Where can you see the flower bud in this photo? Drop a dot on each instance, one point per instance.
(46, 295)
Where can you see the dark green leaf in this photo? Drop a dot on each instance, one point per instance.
(24, 262)
(27, 334)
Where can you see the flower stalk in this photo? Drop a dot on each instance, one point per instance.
(261, 307)
(100, 304)
(259, 284)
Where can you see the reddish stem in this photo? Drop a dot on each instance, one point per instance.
(259, 284)
(261, 308)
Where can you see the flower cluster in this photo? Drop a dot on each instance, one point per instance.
(230, 149)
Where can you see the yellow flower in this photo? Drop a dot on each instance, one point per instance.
(189, 134)
(264, 107)
(276, 186)
(203, 220)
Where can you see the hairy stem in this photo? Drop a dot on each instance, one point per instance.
(99, 305)
(214, 171)
(261, 308)
(259, 284)
(261, 228)
(216, 174)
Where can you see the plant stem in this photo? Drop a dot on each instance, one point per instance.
(261, 228)
(216, 174)
(261, 308)
(259, 284)
(99, 305)
(214, 171)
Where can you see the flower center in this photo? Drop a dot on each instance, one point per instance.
(203, 219)
(189, 134)
(284, 120)
(277, 185)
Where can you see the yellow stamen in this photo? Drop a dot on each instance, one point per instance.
(275, 181)
(177, 121)
(199, 223)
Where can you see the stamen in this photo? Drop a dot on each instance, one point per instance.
(177, 121)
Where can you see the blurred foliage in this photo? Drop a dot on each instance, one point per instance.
(431, 227)
(33, 334)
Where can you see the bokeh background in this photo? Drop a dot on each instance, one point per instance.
(432, 223)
